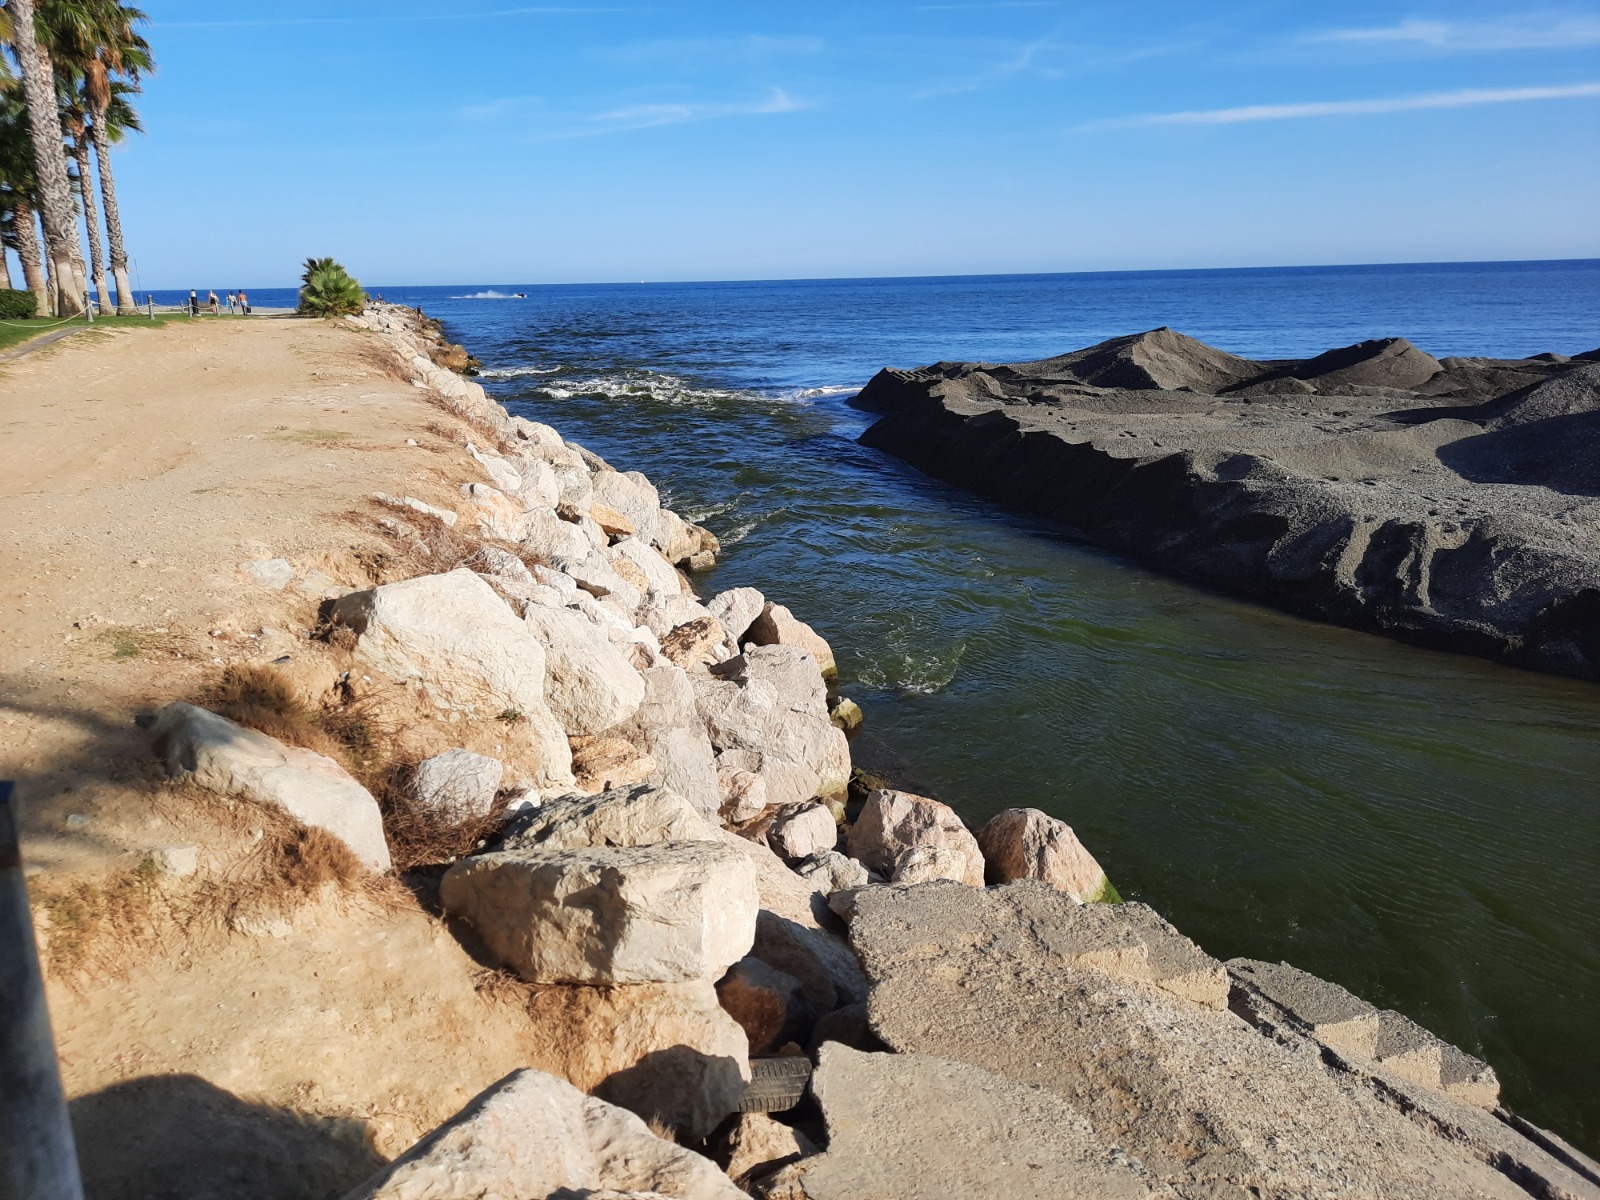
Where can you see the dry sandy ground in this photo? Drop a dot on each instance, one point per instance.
(141, 469)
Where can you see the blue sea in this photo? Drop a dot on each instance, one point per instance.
(1423, 828)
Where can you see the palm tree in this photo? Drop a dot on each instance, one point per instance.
(98, 41)
(73, 120)
(44, 128)
(18, 193)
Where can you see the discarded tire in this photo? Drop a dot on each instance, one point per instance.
(776, 1084)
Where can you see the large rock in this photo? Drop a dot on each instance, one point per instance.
(668, 729)
(660, 575)
(499, 516)
(466, 650)
(640, 815)
(757, 1143)
(609, 915)
(777, 626)
(313, 789)
(736, 610)
(801, 831)
(548, 537)
(632, 495)
(893, 822)
(771, 701)
(602, 763)
(533, 1135)
(589, 684)
(458, 783)
(914, 1125)
(1024, 843)
(666, 1051)
(833, 872)
(1090, 1003)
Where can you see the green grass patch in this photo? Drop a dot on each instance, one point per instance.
(14, 333)
(124, 642)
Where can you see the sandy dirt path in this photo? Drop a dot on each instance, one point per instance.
(142, 468)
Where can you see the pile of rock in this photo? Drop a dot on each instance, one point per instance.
(677, 876)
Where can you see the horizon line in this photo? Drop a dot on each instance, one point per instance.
(1448, 262)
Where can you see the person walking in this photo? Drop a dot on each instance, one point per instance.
(244, 303)
(211, 303)
(230, 303)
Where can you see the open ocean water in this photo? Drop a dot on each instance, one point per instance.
(1420, 827)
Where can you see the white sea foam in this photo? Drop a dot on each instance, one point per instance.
(816, 393)
(491, 294)
(518, 372)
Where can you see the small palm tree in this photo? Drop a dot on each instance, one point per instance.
(327, 290)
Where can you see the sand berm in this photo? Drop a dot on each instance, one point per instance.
(403, 822)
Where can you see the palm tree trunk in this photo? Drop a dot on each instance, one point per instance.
(91, 222)
(25, 225)
(5, 269)
(44, 125)
(126, 302)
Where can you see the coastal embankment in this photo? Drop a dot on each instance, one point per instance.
(394, 788)
(1448, 502)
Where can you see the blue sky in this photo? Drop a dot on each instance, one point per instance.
(487, 141)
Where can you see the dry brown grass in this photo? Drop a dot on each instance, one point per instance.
(422, 838)
(261, 698)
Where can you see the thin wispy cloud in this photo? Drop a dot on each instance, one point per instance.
(1465, 98)
(648, 116)
(1472, 36)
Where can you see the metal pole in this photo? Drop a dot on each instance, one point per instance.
(37, 1159)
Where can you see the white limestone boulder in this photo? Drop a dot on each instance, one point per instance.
(777, 626)
(534, 1135)
(548, 537)
(501, 473)
(640, 815)
(464, 648)
(660, 575)
(632, 495)
(588, 684)
(668, 729)
(225, 757)
(458, 783)
(894, 822)
(801, 831)
(736, 610)
(609, 914)
(771, 701)
(497, 514)
(1024, 843)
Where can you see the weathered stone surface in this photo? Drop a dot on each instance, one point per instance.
(615, 523)
(665, 1051)
(659, 574)
(1452, 502)
(1278, 994)
(801, 830)
(412, 504)
(822, 961)
(534, 1135)
(832, 871)
(736, 610)
(769, 1005)
(695, 643)
(498, 515)
(274, 573)
(669, 730)
(771, 700)
(1024, 843)
(893, 822)
(846, 714)
(589, 685)
(310, 787)
(922, 864)
(548, 537)
(501, 473)
(743, 792)
(914, 1125)
(758, 1143)
(458, 783)
(612, 914)
(632, 495)
(459, 642)
(602, 763)
(541, 488)
(1026, 983)
(782, 891)
(491, 560)
(777, 626)
(638, 815)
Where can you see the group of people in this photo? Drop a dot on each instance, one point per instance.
(238, 304)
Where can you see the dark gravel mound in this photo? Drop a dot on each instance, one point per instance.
(1450, 502)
